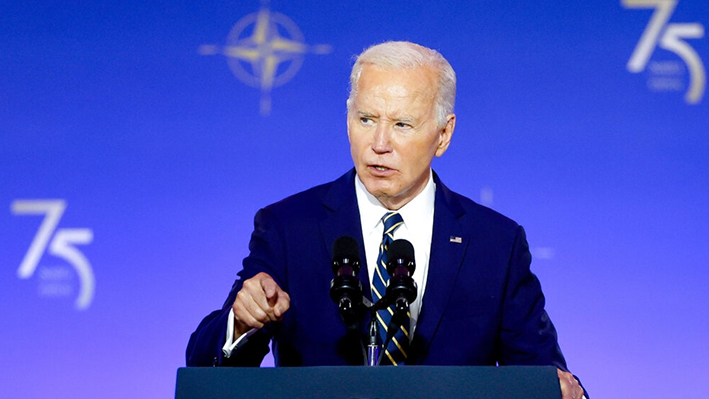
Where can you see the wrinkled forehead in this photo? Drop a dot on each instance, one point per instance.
(394, 103)
(418, 84)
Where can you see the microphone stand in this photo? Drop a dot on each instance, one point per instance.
(372, 341)
(374, 344)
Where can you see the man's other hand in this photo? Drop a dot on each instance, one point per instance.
(259, 302)
(570, 387)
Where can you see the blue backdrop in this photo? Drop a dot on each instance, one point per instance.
(138, 139)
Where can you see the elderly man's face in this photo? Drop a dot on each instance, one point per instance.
(393, 132)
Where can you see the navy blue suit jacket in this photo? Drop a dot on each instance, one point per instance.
(482, 305)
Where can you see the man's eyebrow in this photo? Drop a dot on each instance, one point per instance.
(405, 119)
(365, 114)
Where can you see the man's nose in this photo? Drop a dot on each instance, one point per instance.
(382, 139)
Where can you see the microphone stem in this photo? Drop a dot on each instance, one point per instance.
(372, 347)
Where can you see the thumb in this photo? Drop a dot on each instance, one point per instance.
(282, 303)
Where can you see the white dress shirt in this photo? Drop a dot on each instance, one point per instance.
(417, 229)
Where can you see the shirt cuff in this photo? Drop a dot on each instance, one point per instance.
(230, 347)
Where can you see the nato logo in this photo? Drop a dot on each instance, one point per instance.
(265, 50)
(666, 75)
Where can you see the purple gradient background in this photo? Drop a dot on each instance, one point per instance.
(162, 153)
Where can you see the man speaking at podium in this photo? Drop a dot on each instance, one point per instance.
(478, 302)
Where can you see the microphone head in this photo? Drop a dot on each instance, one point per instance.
(400, 253)
(345, 251)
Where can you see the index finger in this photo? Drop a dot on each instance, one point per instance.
(270, 288)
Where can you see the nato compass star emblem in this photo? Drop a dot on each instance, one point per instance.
(265, 50)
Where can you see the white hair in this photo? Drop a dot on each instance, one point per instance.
(407, 55)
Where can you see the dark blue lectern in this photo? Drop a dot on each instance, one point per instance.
(408, 382)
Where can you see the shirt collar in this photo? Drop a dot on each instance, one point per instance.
(413, 213)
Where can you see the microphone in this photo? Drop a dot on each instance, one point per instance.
(402, 288)
(345, 288)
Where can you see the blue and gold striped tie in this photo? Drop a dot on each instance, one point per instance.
(396, 351)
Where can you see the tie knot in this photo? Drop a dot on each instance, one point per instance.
(392, 221)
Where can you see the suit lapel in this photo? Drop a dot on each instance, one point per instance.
(448, 246)
(342, 219)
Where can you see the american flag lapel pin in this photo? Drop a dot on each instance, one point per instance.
(457, 240)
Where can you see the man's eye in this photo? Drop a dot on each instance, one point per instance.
(403, 125)
(365, 121)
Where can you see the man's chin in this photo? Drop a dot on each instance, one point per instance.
(378, 188)
(385, 197)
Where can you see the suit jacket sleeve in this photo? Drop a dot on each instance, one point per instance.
(527, 335)
(266, 255)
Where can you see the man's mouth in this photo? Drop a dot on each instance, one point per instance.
(380, 170)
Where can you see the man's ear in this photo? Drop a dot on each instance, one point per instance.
(446, 134)
(348, 125)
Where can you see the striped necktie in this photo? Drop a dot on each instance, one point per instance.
(396, 351)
